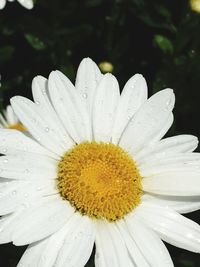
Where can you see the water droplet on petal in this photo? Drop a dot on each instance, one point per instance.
(37, 102)
(14, 192)
(5, 160)
(85, 95)
(47, 129)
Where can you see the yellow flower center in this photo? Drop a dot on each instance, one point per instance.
(100, 180)
(18, 126)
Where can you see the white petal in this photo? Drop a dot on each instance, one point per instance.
(13, 142)
(87, 79)
(30, 116)
(28, 166)
(2, 4)
(171, 226)
(26, 3)
(69, 106)
(179, 183)
(104, 107)
(41, 98)
(8, 223)
(174, 162)
(3, 121)
(42, 220)
(10, 116)
(32, 254)
(15, 193)
(149, 120)
(110, 248)
(133, 96)
(78, 242)
(148, 243)
(177, 203)
(175, 144)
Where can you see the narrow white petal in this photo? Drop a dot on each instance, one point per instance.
(78, 242)
(8, 223)
(148, 243)
(26, 3)
(171, 226)
(175, 144)
(69, 106)
(177, 203)
(41, 98)
(10, 116)
(133, 96)
(2, 4)
(42, 220)
(183, 183)
(3, 121)
(110, 248)
(104, 107)
(30, 116)
(87, 79)
(32, 254)
(16, 193)
(174, 162)
(149, 120)
(13, 142)
(28, 166)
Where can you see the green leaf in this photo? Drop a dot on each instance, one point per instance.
(35, 42)
(163, 43)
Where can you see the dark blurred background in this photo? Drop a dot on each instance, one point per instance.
(159, 39)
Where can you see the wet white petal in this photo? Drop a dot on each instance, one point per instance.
(133, 96)
(32, 254)
(13, 142)
(41, 220)
(16, 193)
(185, 183)
(2, 4)
(87, 79)
(28, 166)
(149, 120)
(69, 105)
(147, 243)
(104, 107)
(170, 145)
(171, 226)
(177, 203)
(78, 242)
(41, 98)
(31, 118)
(174, 162)
(110, 248)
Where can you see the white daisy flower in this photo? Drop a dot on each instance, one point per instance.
(9, 120)
(97, 172)
(25, 3)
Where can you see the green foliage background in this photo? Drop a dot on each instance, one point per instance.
(158, 38)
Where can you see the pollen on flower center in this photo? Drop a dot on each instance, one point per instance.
(100, 180)
(18, 126)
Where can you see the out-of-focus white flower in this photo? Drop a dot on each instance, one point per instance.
(25, 3)
(9, 120)
(97, 172)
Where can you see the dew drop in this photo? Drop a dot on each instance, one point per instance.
(39, 188)
(14, 192)
(37, 102)
(85, 95)
(4, 150)
(26, 195)
(47, 129)
(5, 160)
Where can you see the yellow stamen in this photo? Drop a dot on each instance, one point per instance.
(18, 126)
(100, 180)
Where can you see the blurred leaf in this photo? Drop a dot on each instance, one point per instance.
(35, 42)
(163, 43)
